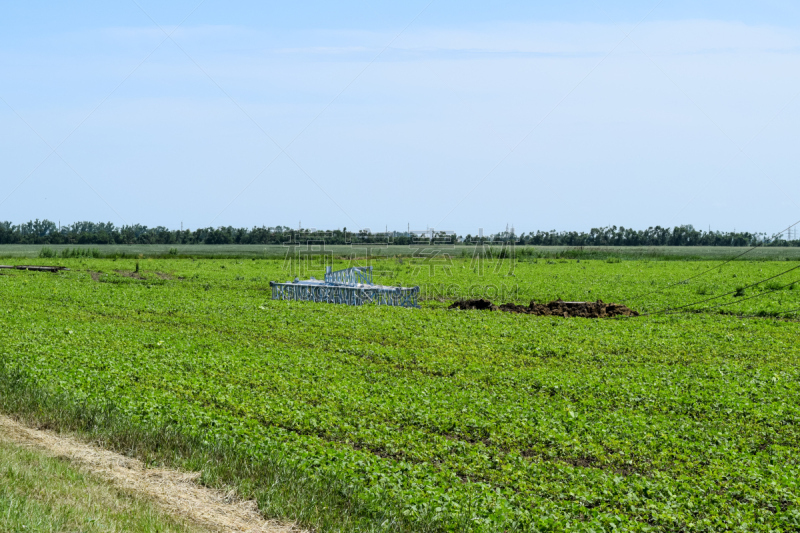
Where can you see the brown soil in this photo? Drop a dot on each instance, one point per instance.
(164, 275)
(129, 274)
(176, 492)
(596, 309)
(95, 275)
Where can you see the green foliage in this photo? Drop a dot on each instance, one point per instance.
(86, 232)
(47, 253)
(79, 252)
(429, 419)
(282, 491)
(173, 251)
(522, 253)
(774, 285)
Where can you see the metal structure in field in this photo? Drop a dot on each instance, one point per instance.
(351, 286)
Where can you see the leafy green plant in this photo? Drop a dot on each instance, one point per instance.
(47, 253)
(525, 252)
(774, 285)
(703, 290)
(428, 419)
(80, 252)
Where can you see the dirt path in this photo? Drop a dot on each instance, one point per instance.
(175, 491)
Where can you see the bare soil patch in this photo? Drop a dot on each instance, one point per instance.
(597, 309)
(129, 274)
(175, 491)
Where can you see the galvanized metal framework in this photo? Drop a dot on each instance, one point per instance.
(351, 286)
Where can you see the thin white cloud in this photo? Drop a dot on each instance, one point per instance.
(438, 109)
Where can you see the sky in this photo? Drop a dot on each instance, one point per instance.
(457, 116)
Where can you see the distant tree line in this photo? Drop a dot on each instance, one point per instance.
(685, 235)
(47, 232)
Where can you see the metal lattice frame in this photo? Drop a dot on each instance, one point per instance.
(349, 276)
(352, 286)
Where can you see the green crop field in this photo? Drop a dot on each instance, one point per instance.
(769, 253)
(393, 419)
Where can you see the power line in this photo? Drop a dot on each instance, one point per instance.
(795, 310)
(751, 297)
(675, 309)
(682, 282)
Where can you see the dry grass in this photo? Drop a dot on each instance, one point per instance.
(44, 494)
(173, 491)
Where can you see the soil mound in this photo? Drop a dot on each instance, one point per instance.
(596, 309)
(481, 305)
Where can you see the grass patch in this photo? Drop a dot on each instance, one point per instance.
(325, 504)
(39, 493)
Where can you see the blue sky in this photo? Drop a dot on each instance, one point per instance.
(453, 115)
